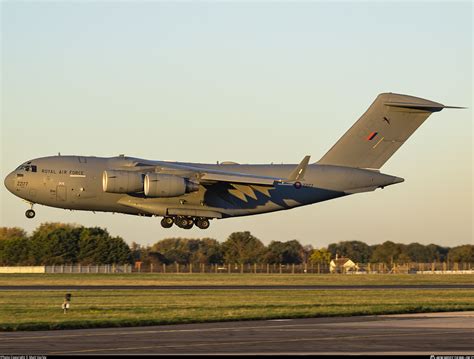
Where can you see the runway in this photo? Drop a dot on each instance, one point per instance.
(234, 287)
(427, 334)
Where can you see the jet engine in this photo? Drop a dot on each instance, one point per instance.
(162, 185)
(115, 181)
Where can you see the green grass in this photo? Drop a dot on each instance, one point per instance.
(232, 279)
(40, 310)
(35, 310)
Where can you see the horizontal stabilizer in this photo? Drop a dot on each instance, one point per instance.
(430, 107)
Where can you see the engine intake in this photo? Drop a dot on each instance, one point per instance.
(115, 181)
(162, 185)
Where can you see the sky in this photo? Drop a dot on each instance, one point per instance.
(250, 82)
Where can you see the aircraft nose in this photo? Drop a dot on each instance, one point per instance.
(9, 181)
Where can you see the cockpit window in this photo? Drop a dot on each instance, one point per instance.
(27, 167)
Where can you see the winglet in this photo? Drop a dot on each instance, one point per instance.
(299, 171)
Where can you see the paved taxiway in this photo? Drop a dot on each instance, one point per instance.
(236, 287)
(431, 333)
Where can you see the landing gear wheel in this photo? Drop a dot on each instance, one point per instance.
(167, 222)
(189, 223)
(203, 223)
(181, 222)
(30, 213)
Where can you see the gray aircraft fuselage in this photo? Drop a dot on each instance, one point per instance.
(75, 182)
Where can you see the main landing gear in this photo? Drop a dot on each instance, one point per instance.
(185, 222)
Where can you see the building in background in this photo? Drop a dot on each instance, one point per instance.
(342, 265)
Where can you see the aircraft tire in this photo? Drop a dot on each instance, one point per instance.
(203, 223)
(167, 222)
(30, 213)
(189, 223)
(179, 221)
(184, 222)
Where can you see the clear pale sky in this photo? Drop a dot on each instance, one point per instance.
(246, 82)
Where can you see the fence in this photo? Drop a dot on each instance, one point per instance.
(433, 268)
(233, 268)
(107, 268)
(305, 268)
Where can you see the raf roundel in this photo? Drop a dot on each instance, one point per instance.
(298, 185)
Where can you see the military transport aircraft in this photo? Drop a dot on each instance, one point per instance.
(187, 194)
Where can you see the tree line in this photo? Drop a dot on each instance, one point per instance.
(58, 243)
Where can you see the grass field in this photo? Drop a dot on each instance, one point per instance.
(20, 310)
(232, 279)
(36, 310)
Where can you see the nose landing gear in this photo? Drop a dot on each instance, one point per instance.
(30, 213)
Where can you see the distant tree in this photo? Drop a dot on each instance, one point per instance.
(96, 246)
(92, 247)
(358, 252)
(155, 258)
(320, 256)
(176, 255)
(47, 227)
(274, 253)
(14, 247)
(173, 250)
(209, 251)
(186, 250)
(12, 232)
(387, 252)
(306, 252)
(437, 253)
(284, 252)
(416, 252)
(16, 251)
(55, 245)
(462, 254)
(243, 248)
(119, 251)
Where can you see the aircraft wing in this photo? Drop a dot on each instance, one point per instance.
(210, 175)
(204, 174)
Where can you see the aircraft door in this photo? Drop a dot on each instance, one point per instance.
(61, 193)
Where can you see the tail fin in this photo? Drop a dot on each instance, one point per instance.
(382, 129)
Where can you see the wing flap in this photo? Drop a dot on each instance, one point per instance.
(239, 178)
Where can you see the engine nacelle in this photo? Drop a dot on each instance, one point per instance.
(115, 181)
(162, 185)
